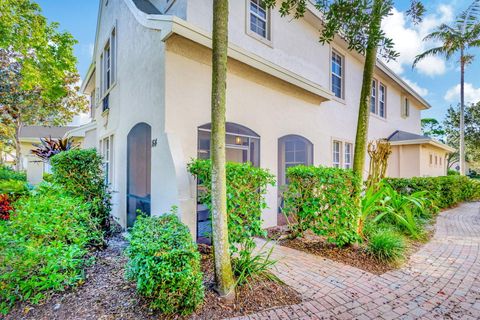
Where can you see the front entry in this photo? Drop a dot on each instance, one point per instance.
(138, 172)
(242, 145)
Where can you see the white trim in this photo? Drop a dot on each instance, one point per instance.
(423, 141)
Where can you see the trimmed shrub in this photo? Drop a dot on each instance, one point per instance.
(386, 246)
(43, 245)
(446, 191)
(80, 173)
(451, 172)
(325, 201)
(165, 264)
(7, 173)
(246, 188)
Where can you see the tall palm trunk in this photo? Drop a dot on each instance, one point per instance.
(462, 114)
(366, 93)
(223, 268)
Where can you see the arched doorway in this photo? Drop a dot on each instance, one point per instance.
(138, 171)
(293, 150)
(241, 145)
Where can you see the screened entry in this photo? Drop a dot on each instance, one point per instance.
(242, 145)
(293, 150)
(138, 171)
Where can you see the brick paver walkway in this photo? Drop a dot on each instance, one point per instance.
(440, 281)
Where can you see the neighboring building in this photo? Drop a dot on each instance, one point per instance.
(415, 155)
(30, 135)
(290, 100)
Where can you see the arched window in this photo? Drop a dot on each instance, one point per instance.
(241, 145)
(293, 150)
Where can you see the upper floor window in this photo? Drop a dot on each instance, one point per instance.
(259, 19)
(348, 155)
(373, 97)
(382, 100)
(337, 74)
(337, 146)
(108, 64)
(405, 107)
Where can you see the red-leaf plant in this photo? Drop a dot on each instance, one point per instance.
(5, 207)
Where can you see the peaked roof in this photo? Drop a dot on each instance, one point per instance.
(404, 138)
(146, 7)
(43, 131)
(399, 135)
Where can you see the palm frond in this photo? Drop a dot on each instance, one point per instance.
(431, 52)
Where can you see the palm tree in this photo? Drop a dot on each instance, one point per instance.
(223, 267)
(457, 39)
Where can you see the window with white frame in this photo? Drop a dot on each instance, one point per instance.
(337, 74)
(108, 63)
(259, 18)
(373, 97)
(405, 107)
(347, 161)
(106, 147)
(337, 147)
(382, 101)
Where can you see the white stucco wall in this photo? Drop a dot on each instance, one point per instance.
(137, 96)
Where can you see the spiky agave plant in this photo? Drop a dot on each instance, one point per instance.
(48, 147)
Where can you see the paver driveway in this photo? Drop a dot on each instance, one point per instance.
(440, 281)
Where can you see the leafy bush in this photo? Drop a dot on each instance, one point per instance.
(246, 188)
(386, 246)
(80, 173)
(43, 245)
(5, 207)
(324, 200)
(165, 263)
(451, 172)
(7, 173)
(446, 191)
(13, 188)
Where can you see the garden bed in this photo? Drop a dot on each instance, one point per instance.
(106, 294)
(355, 255)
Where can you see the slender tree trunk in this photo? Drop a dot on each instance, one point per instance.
(366, 93)
(462, 114)
(225, 283)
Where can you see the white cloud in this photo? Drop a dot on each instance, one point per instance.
(472, 94)
(408, 39)
(415, 86)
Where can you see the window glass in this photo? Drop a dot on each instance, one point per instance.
(259, 18)
(348, 155)
(373, 98)
(336, 153)
(337, 74)
(382, 101)
(108, 64)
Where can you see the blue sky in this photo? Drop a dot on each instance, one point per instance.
(435, 79)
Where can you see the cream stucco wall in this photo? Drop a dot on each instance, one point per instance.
(266, 105)
(413, 160)
(437, 166)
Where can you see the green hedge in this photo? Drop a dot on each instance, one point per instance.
(246, 188)
(80, 172)
(446, 191)
(43, 245)
(165, 263)
(325, 201)
(7, 173)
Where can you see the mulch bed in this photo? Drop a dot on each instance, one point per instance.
(356, 255)
(107, 295)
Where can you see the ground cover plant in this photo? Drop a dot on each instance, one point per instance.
(43, 245)
(7, 173)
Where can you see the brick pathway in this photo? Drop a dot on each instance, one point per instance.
(440, 281)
